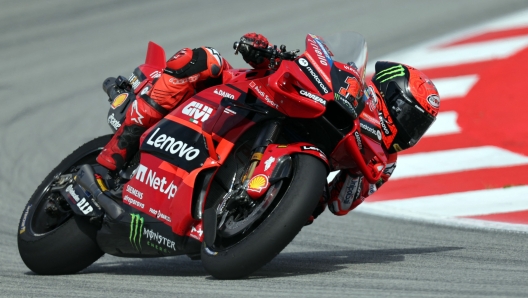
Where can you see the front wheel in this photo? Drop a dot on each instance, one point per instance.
(239, 256)
(51, 240)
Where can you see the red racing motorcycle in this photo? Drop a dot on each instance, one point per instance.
(229, 177)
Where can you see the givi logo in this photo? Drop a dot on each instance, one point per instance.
(198, 111)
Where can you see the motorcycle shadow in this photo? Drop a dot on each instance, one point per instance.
(317, 262)
(284, 265)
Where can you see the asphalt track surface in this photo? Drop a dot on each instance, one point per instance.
(55, 54)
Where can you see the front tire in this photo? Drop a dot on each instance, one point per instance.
(59, 243)
(276, 231)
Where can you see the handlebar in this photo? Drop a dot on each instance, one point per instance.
(272, 53)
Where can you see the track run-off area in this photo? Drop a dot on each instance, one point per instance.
(471, 167)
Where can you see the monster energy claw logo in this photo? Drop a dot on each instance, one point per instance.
(390, 73)
(136, 228)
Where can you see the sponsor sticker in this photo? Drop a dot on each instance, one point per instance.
(153, 239)
(358, 140)
(198, 112)
(160, 214)
(134, 81)
(268, 162)
(370, 130)
(350, 192)
(178, 144)
(258, 183)
(172, 146)
(434, 101)
(119, 100)
(196, 232)
(223, 93)
(309, 71)
(155, 74)
(313, 97)
(154, 181)
(24, 219)
(113, 121)
(133, 202)
(82, 203)
(266, 97)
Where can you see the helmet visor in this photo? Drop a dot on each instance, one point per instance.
(411, 120)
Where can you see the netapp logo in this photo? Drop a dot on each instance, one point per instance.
(155, 182)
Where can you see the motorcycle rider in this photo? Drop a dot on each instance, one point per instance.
(189, 71)
(407, 104)
(406, 101)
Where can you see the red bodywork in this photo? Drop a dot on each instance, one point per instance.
(166, 191)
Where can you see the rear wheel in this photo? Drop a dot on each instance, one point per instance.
(238, 254)
(51, 240)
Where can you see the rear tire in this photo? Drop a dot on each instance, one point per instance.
(276, 231)
(69, 244)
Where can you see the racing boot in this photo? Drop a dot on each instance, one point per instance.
(125, 142)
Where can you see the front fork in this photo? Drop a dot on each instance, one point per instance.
(268, 135)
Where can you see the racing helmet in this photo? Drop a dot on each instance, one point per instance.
(409, 105)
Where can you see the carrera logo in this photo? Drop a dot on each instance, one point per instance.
(197, 111)
(150, 178)
(358, 140)
(313, 97)
(170, 145)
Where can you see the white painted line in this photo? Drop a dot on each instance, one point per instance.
(461, 54)
(455, 86)
(455, 160)
(516, 20)
(380, 210)
(446, 123)
(512, 21)
(471, 203)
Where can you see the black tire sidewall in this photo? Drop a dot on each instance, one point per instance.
(277, 230)
(71, 246)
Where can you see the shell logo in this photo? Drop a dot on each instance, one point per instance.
(119, 100)
(258, 182)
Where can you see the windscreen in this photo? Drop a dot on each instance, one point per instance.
(349, 48)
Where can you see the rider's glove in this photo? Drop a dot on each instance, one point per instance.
(250, 44)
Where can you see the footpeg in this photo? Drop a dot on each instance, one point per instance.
(87, 179)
